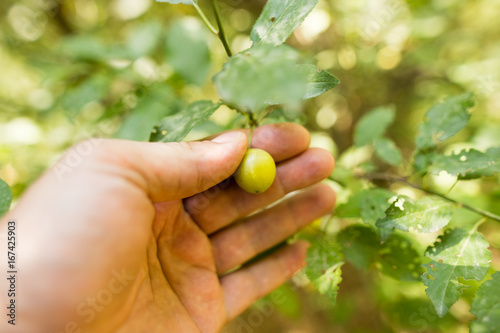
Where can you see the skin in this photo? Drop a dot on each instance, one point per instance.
(138, 237)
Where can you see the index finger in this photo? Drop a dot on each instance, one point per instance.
(282, 140)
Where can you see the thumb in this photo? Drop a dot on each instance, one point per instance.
(169, 171)
(179, 170)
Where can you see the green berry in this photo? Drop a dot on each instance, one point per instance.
(256, 172)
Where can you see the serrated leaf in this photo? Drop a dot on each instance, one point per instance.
(360, 245)
(399, 259)
(279, 19)
(369, 204)
(260, 76)
(158, 103)
(187, 51)
(486, 307)
(444, 120)
(373, 125)
(318, 82)
(387, 150)
(175, 128)
(5, 197)
(467, 164)
(458, 253)
(324, 261)
(373, 204)
(428, 214)
(176, 2)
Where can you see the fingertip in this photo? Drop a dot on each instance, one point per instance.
(327, 197)
(298, 256)
(325, 159)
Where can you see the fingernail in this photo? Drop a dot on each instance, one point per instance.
(227, 137)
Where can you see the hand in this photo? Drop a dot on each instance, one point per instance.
(135, 237)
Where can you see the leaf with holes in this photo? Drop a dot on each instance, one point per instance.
(444, 120)
(5, 197)
(373, 125)
(175, 128)
(399, 259)
(428, 214)
(370, 205)
(486, 307)
(467, 164)
(279, 19)
(388, 152)
(360, 245)
(324, 261)
(458, 253)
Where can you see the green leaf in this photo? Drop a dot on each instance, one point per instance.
(396, 257)
(458, 253)
(428, 214)
(423, 159)
(145, 38)
(373, 125)
(187, 50)
(318, 82)
(176, 2)
(261, 76)
(158, 103)
(467, 164)
(444, 120)
(399, 259)
(369, 204)
(175, 128)
(360, 245)
(387, 150)
(486, 307)
(279, 19)
(324, 261)
(5, 197)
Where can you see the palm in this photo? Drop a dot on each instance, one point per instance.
(182, 278)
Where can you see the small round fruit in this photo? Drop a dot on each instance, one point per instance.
(256, 172)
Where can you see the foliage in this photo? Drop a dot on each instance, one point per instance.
(5, 197)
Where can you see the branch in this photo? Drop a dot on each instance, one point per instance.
(404, 180)
(221, 34)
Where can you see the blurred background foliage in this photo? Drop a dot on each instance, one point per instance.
(71, 70)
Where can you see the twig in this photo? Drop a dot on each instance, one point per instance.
(204, 18)
(221, 34)
(404, 180)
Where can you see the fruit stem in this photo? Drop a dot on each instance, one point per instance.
(252, 128)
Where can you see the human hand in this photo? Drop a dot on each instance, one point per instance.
(137, 237)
